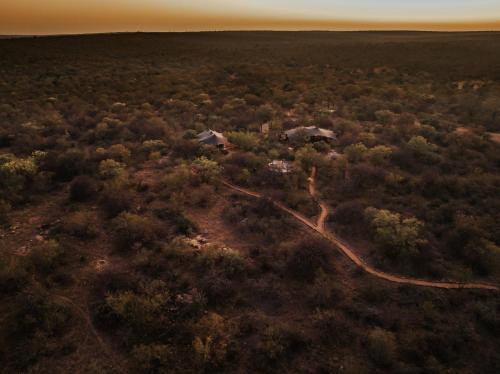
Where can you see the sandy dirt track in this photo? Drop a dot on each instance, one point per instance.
(347, 250)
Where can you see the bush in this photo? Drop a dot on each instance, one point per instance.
(230, 260)
(145, 310)
(37, 325)
(119, 152)
(385, 117)
(4, 211)
(382, 347)
(176, 181)
(324, 292)
(13, 275)
(277, 342)
(272, 344)
(110, 169)
(208, 170)
(244, 141)
(81, 224)
(333, 328)
(153, 358)
(15, 174)
(82, 188)
(377, 155)
(307, 258)
(401, 236)
(349, 213)
(130, 229)
(211, 341)
(115, 200)
(70, 164)
(355, 152)
(46, 256)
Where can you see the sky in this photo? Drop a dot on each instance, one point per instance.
(90, 16)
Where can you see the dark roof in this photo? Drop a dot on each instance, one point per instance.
(311, 131)
(212, 137)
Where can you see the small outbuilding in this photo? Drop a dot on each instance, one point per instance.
(211, 137)
(310, 133)
(281, 166)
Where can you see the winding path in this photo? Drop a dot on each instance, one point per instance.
(347, 250)
(320, 223)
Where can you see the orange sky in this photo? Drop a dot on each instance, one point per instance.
(65, 16)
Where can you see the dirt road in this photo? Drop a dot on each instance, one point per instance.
(347, 250)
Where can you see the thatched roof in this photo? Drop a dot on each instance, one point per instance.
(309, 132)
(212, 137)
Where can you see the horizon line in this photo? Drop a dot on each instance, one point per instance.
(248, 30)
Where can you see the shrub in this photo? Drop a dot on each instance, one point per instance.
(355, 152)
(324, 292)
(155, 145)
(144, 310)
(377, 155)
(153, 358)
(272, 344)
(333, 327)
(385, 117)
(38, 323)
(208, 170)
(115, 200)
(211, 341)
(349, 213)
(230, 260)
(13, 274)
(265, 113)
(119, 152)
(82, 188)
(245, 141)
(423, 149)
(130, 229)
(46, 256)
(70, 164)
(308, 157)
(279, 341)
(382, 347)
(401, 236)
(202, 196)
(81, 224)
(4, 211)
(15, 174)
(109, 169)
(307, 258)
(177, 180)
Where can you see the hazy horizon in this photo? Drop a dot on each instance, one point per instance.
(30, 17)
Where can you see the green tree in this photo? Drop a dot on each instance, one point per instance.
(110, 169)
(211, 341)
(208, 170)
(264, 113)
(356, 152)
(243, 140)
(308, 157)
(15, 173)
(145, 309)
(399, 235)
(421, 147)
(131, 229)
(119, 152)
(378, 154)
(385, 117)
